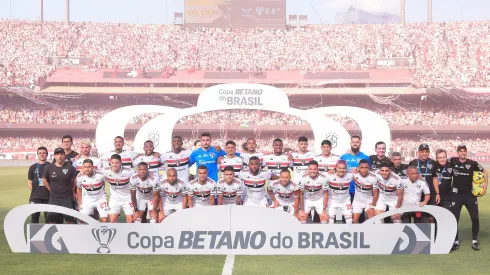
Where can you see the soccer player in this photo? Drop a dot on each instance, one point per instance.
(118, 177)
(352, 159)
(327, 160)
(276, 161)
(39, 192)
(302, 157)
(313, 193)
(254, 193)
(380, 157)
(413, 188)
(285, 193)
(463, 169)
(201, 191)
(207, 156)
(145, 192)
(85, 153)
(339, 200)
(426, 168)
(154, 163)
(127, 157)
(390, 192)
(367, 192)
(94, 197)
(251, 152)
(231, 159)
(174, 194)
(60, 180)
(178, 159)
(193, 168)
(398, 167)
(229, 188)
(67, 143)
(443, 178)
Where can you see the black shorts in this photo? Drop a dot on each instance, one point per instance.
(57, 217)
(445, 204)
(39, 201)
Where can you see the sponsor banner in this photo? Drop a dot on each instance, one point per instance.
(243, 96)
(394, 62)
(235, 13)
(230, 229)
(70, 61)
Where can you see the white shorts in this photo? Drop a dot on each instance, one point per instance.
(89, 205)
(358, 207)
(316, 205)
(143, 203)
(263, 203)
(115, 206)
(346, 208)
(170, 208)
(381, 205)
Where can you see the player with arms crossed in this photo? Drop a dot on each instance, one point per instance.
(367, 192)
(413, 188)
(327, 161)
(338, 184)
(277, 161)
(95, 197)
(118, 177)
(231, 159)
(201, 191)
(302, 157)
(313, 193)
(254, 193)
(285, 193)
(145, 192)
(229, 188)
(390, 192)
(174, 192)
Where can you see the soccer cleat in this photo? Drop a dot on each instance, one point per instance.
(455, 247)
(476, 246)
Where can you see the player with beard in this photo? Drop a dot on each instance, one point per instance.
(443, 177)
(208, 156)
(302, 158)
(251, 151)
(352, 159)
(398, 167)
(463, 169)
(254, 193)
(154, 163)
(85, 153)
(380, 157)
(327, 160)
(276, 161)
(127, 157)
(426, 169)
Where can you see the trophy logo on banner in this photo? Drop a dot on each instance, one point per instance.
(104, 237)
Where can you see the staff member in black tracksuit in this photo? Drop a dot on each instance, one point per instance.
(463, 169)
(39, 192)
(443, 176)
(398, 167)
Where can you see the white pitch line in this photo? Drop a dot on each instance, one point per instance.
(228, 266)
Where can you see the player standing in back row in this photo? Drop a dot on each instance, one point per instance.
(277, 161)
(327, 161)
(251, 152)
(231, 159)
(302, 158)
(178, 159)
(127, 157)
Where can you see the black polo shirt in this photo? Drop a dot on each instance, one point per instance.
(60, 180)
(444, 174)
(35, 174)
(401, 171)
(376, 162)
(69, 157)
(463, 174)
(426, 169)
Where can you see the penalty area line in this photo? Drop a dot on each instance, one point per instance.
(228, 266)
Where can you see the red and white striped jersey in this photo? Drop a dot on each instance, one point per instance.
(246, 156)
(235, 162)
(313, 187)
(119, 182)
(388, 187)
(229, 191)
(300, 161)
(179, 162)
(93, 186)
(201, 192)
(173, 193)
(78, 163)
(326, 163)
(283, 194)
(145, 188)
(339, 187)
(364, 187)
(127, 158)
(153, 162)
(276, 163)
(254, 186)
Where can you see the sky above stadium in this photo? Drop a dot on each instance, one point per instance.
(161, 11)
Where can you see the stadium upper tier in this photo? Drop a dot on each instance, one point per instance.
(444, 54)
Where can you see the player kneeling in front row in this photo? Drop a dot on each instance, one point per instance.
(202, 191)
(412, 192)
(229, 188)
(174, 193)
(284, 193)
(92, 184)
(145, 192)
(313, 193)
(338, 184)
(390, 192)
(118, 177)
(367, 192)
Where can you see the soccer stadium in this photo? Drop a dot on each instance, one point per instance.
(427, 79)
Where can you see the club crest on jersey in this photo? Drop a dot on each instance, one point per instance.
(211, 155)
(278, 165)
(404, 172)
(450, 170)
(303, 161)
(155, 137)
(429, 165)
(104, 237)
(468, 166)
(65, 171)
(177, 162)
(254, 184)
(332, 137)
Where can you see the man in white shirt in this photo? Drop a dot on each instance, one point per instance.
(413, 188)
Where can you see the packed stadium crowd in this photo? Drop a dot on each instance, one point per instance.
(89, 114)
(453, 54)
